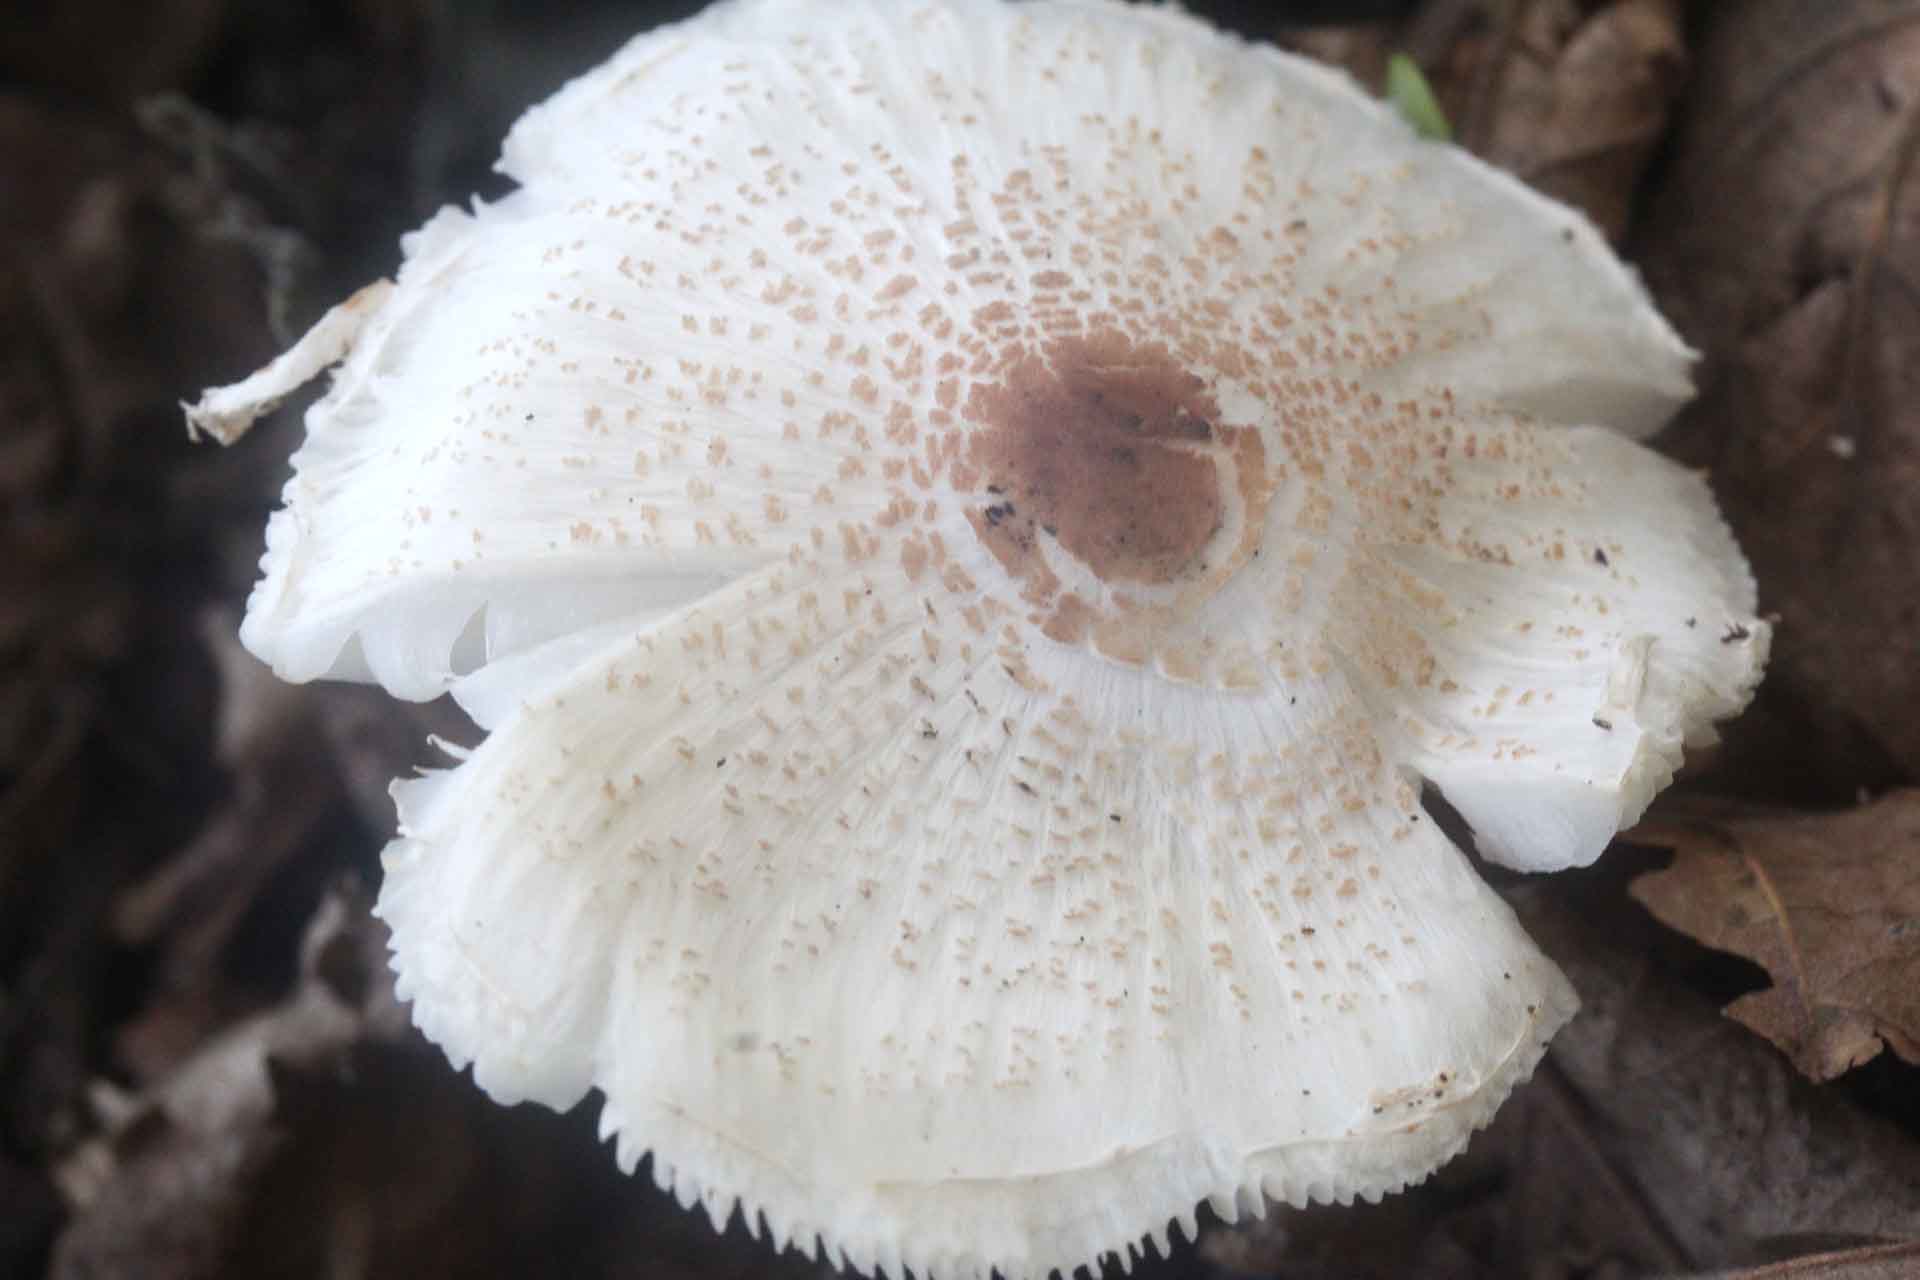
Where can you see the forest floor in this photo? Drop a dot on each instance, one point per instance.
(203, 1069)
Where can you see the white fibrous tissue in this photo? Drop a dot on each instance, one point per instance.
(967, 527)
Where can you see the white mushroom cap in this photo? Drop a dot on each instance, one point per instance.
(967, 526)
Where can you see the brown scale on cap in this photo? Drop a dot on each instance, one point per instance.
(1094, 444)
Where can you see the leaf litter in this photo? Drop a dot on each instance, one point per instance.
(202, 1068)
(1829, 904)
(1785, 243)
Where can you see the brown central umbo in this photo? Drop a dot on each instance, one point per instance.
(1101, 443)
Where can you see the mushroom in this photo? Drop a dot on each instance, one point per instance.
(967, 527)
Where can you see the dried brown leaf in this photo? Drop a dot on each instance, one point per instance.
(161, 1193)
(1361, 49)
(1656, 1140)
(186, 913)
(1576, 98)
(1739, 1157)
(1828, 904)
(1872, 1262)
(1786, 244)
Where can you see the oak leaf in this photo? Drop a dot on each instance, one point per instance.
(1828, 904)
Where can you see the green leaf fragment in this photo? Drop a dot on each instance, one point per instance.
(1412, 97)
